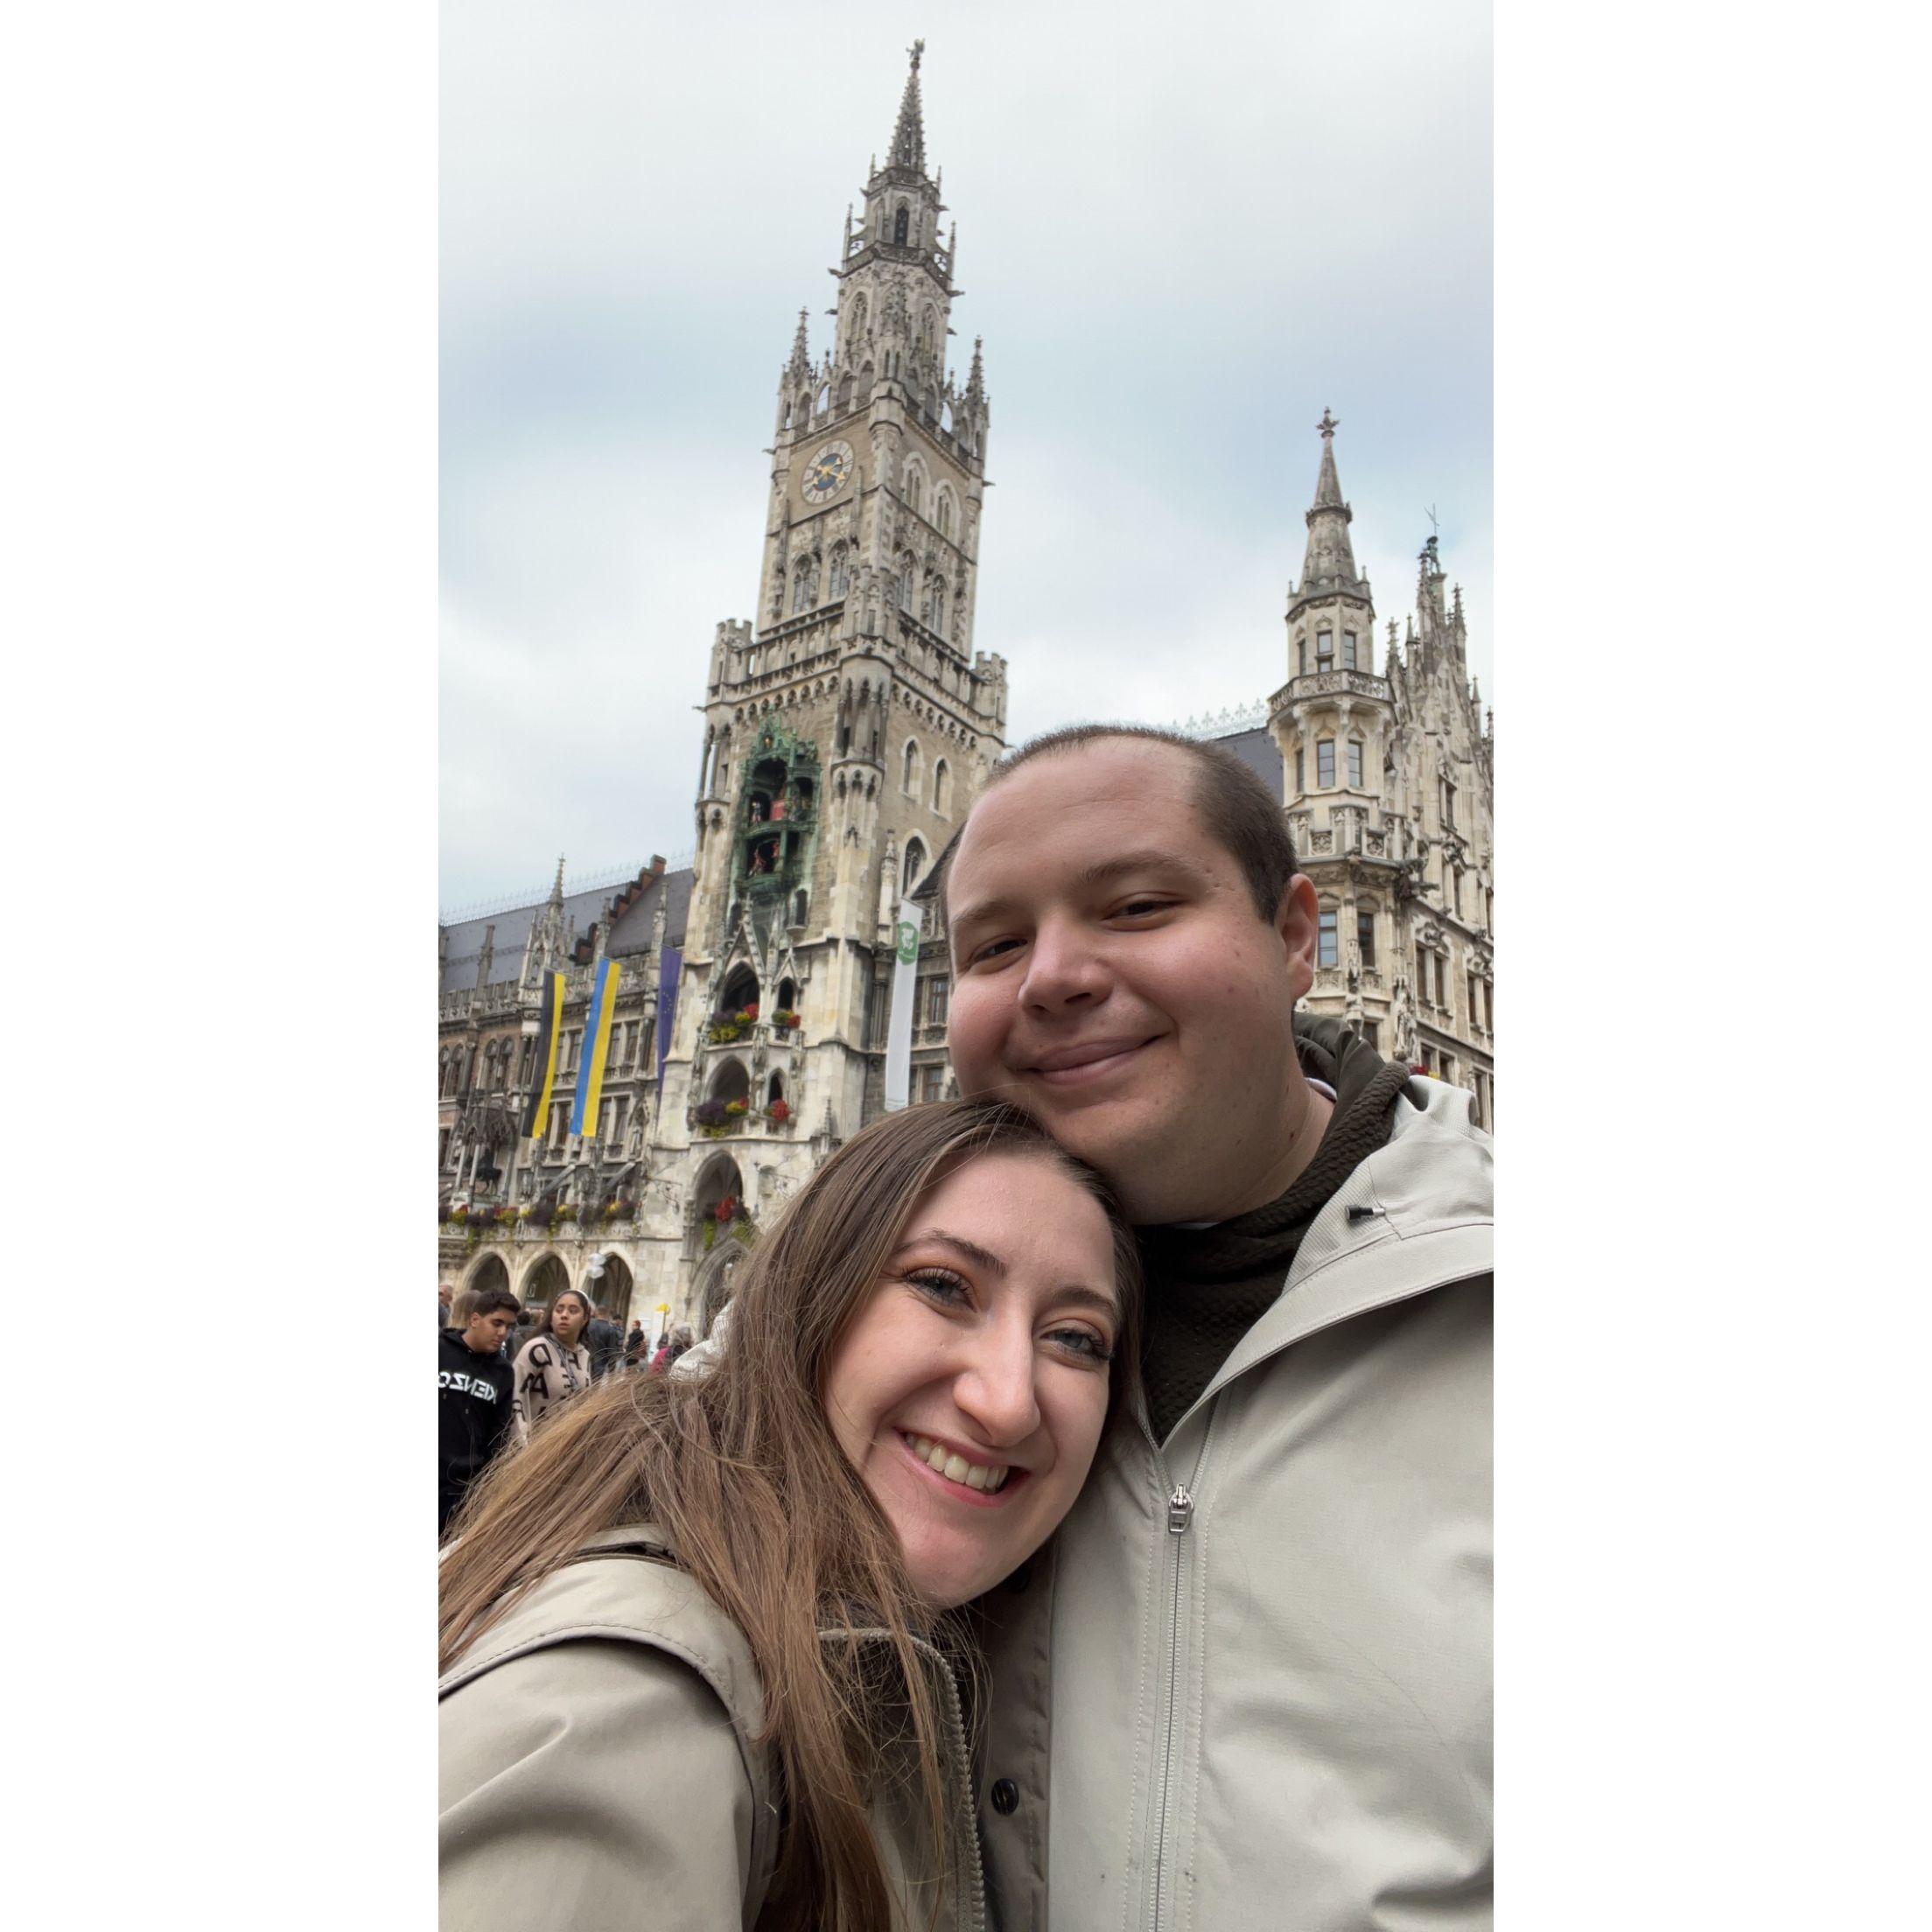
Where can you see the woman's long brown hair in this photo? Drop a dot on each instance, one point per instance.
(739, 1468)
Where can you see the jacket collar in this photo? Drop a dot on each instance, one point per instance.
(1414, 1216)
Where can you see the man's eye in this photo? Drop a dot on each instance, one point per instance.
(993, 949)
(1137, 909)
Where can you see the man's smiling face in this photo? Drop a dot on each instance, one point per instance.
(1112, 976)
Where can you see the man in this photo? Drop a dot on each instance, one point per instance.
(1248, 1685)
(473, 1397)
(605, 1340)
(444, 1293)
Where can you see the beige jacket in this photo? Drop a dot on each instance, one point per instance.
(1250, 1687)
(598, 1771)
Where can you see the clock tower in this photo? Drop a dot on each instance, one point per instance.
(848, 726)
(879, 457)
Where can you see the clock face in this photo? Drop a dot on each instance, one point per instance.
(826, 472)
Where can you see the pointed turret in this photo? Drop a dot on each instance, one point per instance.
(1429, 581)
(907, 148)
(976, 377)
(1328, 565)
(800, 364)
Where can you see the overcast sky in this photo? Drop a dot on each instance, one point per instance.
(1182, 232)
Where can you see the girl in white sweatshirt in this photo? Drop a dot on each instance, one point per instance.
(554, 1363)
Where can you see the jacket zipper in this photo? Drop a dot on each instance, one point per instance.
(963, 1780)
(1180, 1516)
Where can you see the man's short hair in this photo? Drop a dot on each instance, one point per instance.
(1242, 815)
(492, 1301)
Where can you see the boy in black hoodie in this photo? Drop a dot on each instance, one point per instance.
(472, 1399)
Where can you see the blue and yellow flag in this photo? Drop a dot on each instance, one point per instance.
(597, 1047)
(537, 1111)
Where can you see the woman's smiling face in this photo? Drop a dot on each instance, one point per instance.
(969, 1391)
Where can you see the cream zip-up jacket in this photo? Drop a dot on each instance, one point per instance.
(1248, 1688)
(597, 1767)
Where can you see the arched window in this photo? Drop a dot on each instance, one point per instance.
(943, 787)
(804, 585)
(915, 485)
(914, 870)
(943, 513)
(856, 333)
(936, 604)
(899, 222)
(835, 582)
(909, 775)
(905, 568)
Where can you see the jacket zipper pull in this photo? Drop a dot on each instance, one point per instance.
(1181, 1507)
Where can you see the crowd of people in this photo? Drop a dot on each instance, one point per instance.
(1080, 1515)
(502, 1366)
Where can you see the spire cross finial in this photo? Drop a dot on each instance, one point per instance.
(1435, 529)
(917, 48)
(1328, 425)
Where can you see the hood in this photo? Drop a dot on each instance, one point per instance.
(1416, 1215)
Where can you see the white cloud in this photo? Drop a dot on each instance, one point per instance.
(1182, 237)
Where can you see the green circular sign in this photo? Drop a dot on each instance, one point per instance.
(908, 941)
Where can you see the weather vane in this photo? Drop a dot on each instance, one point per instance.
(917, 48)
(1328, 425)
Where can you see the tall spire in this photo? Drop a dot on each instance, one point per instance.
(908, 144)
(557, 891)
(1329, 563)
(1327, 484)
(975, 380)
(801, 363)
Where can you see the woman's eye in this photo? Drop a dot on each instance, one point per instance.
(1084, 1342)
(939, 1282)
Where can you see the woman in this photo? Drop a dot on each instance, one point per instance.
(759, 1722)
(555, 1364)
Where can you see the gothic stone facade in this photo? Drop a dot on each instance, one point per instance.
(1389, 785)
(847, 730)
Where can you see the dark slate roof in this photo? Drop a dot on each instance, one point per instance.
(1259, 752)
(632, 933)
(512, 931)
